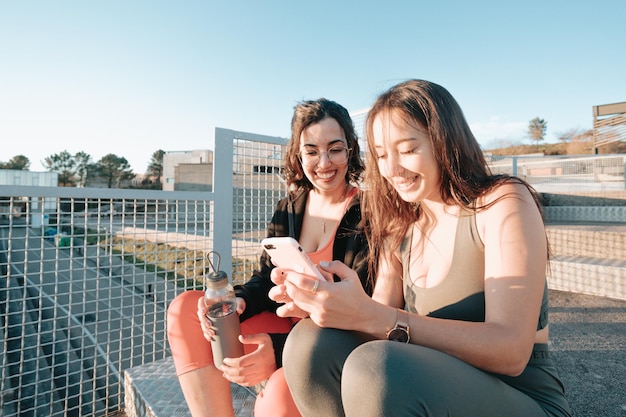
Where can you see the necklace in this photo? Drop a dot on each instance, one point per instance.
(345, 200)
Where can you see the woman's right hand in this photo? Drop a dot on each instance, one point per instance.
(341, 305)
(205, 323)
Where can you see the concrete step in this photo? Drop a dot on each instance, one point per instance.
(585, 275)
(594, 241)
(152, 390)
(588, 259)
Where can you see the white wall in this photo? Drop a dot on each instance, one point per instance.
(20, 177)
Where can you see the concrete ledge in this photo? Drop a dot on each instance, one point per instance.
(578, 274)
(597, 241)
(152, 390)
(606, 214)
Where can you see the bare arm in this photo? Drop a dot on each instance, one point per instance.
(389, 285)
(515, 252)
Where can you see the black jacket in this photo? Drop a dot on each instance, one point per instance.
(350, 247)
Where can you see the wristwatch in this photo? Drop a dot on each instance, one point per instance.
(400, 332)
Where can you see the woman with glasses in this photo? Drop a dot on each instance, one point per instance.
(322, 211)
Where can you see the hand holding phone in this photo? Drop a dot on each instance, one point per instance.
(287, 253)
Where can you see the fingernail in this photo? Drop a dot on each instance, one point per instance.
(324, 264)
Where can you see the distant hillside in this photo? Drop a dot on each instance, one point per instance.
(563, 148)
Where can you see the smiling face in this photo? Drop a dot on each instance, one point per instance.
(405, 157)
(326, 138)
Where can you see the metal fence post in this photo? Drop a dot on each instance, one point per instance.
(222, 216)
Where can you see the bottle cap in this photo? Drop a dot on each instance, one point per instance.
(214, 277)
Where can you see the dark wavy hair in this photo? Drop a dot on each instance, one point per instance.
(310, 112)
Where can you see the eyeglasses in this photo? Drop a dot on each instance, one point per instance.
(336, 154)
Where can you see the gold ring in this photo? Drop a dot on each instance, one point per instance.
(315, 286)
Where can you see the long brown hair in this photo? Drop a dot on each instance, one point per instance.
(465, 175)
(310, 112)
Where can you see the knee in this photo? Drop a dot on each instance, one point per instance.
(367, 364)
(395, 371)
(311, 353)
(315, 353)
(183, 309)
(275, 399)
(301, 343)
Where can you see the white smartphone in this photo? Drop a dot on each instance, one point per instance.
(287, 253)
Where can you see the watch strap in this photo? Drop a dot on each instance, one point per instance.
(400, 332)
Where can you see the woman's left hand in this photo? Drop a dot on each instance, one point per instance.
(255, 367)
(205, 323)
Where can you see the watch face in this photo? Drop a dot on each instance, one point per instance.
(399, 335)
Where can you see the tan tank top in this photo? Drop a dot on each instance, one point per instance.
(461, 295)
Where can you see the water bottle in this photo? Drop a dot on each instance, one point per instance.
(222, 312)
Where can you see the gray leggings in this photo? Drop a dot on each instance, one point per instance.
(339, 373)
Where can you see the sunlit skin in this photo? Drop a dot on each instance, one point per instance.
(405, 158)
(327, 177)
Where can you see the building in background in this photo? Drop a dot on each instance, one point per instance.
(16, 206)
(609, 125)
(188, 170)
(358, 118)
(193, 170)
(30, 178)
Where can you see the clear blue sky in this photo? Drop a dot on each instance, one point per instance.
(132, 76)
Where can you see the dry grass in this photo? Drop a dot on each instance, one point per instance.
(187, 265)
(562, 148)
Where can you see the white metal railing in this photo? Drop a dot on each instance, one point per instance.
(88, 274)
(565, 173)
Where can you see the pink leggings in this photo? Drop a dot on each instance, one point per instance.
(191, 351)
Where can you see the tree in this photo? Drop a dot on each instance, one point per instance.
(537, 129)
(62, 163)
(83, 162)
(155, 168)
(114, 169)
(18, 162)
